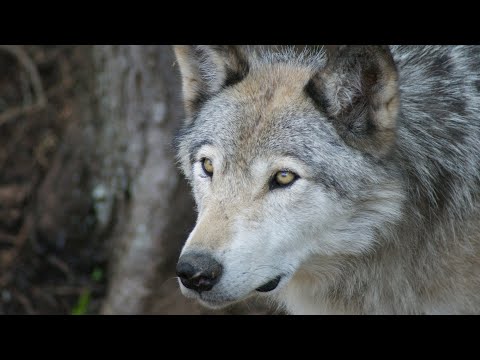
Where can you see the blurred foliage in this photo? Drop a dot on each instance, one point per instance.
(97, 274)
(82, 305)
(81, 308)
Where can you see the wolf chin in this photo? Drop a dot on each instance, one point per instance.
(343, 183)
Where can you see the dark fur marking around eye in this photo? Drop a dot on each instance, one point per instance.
(194, 149)
(273, 184)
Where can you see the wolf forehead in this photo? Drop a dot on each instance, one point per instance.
(269, 114)
(267, 111)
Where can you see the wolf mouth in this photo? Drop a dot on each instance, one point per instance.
(271, 285)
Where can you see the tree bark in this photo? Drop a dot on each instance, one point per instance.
(139, 197)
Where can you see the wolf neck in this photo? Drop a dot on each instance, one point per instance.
(399, 277)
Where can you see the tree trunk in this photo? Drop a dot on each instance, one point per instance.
(139, 197)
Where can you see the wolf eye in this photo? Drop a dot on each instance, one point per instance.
(283, 178)
(207, 166)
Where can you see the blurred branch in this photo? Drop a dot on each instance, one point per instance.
(18, 243)
(27, 63)
(24, 301)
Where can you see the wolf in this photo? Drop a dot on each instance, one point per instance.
(333, 183)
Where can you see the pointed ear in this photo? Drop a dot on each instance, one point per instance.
(206, 69)
(358, 91)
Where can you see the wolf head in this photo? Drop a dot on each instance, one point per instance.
(288, 156)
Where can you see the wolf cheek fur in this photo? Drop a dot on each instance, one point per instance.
(385, 141)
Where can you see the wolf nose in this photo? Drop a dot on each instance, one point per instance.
(199, 272)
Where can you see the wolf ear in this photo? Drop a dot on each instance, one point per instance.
(358, 91)
(206, 69)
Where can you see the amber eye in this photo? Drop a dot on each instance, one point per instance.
(207, 166)
(283, 178)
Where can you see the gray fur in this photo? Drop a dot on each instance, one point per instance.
(411, 240)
